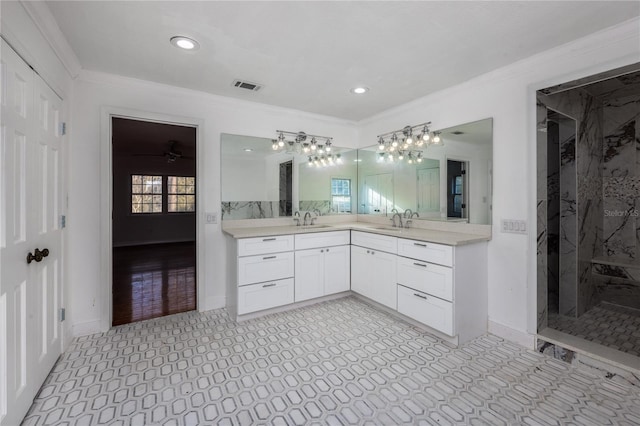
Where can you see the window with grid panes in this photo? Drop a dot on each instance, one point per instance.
(341, 195)
(181, 194)
(146, 194)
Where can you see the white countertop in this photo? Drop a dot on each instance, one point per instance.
(427, 235)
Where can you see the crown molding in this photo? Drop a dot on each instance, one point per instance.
(41, 16)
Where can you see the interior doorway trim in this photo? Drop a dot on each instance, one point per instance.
(106, 201)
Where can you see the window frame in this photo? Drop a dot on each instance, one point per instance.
(132, 194)
(349, 195)
(168, 194)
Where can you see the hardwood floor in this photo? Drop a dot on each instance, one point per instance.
(152, 281)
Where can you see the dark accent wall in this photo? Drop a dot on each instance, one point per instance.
(138, 148)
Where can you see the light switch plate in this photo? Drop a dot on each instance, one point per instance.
(211, 218)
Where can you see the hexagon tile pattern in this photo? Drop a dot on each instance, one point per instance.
(340, 362)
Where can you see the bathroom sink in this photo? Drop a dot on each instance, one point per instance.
(314, 226)
(387, 229)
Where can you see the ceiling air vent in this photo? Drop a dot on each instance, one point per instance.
(254, 87)
(457, 132)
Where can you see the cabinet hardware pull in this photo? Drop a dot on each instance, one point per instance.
(327, 250)
(321, 251)
(268, 239)
(420, 264)
(368, 251)
(269, 285)
(373, 252)
(419, 244)
(268, 257)
(420, 296)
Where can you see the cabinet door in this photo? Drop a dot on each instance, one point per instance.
(382, 267)
(360, 274)
(309, 277)
(336, 269)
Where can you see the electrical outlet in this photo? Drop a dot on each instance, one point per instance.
(513, 226)
(211, 218)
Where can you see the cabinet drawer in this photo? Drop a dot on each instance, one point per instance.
(429, 252)
(375, 241)
(257, 269)
(431, 311)
(435, 280)
(263, 245)
(256, 297)
(322, 239)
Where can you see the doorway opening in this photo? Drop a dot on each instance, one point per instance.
(456, 189)
(286, 188)
(153, 219)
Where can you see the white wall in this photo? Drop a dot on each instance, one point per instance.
(508, 95)
(219, 115)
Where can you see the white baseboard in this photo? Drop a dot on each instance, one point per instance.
(86, 328)
(213, 302)
(516, 336)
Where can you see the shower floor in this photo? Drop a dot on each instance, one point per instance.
(610, 325)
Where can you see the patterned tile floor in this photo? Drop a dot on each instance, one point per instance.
(334, 363)
(610, 325)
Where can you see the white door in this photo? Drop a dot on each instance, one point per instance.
(378, 194)
(429, 190)
(30, 199)
(309, 276)
(336, 269)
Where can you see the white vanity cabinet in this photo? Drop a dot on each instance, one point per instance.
(322, 264)
(265, 270)
(444, 287)
(373, 271)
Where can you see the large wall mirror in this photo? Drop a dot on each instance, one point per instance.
(258, 182)
(451, 182)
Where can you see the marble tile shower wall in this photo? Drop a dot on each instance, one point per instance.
(621, 182)
(621, 199)
(580, 229)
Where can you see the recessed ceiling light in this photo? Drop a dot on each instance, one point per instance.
(185, 43)
(359, 90)
(248, 150)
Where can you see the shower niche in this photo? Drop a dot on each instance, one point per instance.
(588, 200)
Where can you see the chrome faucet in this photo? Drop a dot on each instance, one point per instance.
(408, 213)
(296, 218)
(306, 215)
(393, 219)
(317, 212)
(394, 210)
(409, 220)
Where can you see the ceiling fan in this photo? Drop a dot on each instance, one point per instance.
(171, 155)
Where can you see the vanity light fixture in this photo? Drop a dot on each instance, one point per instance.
(185, 43)
(248, 150)
(411, 143)
(300, 142)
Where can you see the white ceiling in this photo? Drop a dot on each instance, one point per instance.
(309, 54)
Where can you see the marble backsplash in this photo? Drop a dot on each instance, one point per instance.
(249, 209)
(324, 206)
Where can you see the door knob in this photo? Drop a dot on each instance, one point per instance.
(44, 253)
(37, 255)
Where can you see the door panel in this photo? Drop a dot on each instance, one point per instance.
(16, 277)
(337, 271)
(309, 278)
